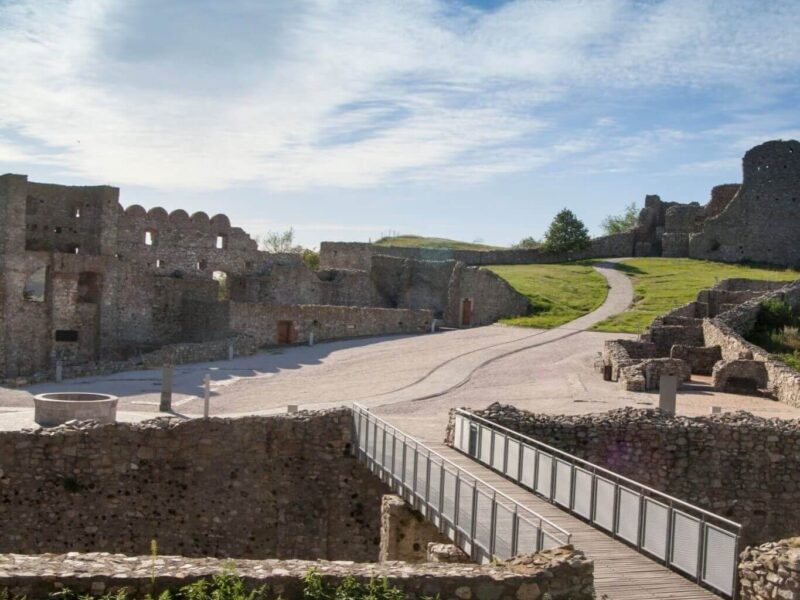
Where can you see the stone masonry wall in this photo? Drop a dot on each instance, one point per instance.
(761, 222)
(357, 255)
(260, 322)
(771, 570)
(255, 487)
(557, 574)
(727, 331)
(739, 466)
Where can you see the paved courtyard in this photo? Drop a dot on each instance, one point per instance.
(411, 380)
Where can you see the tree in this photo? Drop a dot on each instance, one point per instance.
(283, 242)
(566, 232)
(279, 241)
(527, 243)
(621, 223)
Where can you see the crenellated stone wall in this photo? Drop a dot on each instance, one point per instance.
(256, 487)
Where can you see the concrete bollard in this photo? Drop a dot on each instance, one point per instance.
(206, 395)
(668, 393)
(311, 339)
(166, 388)
(59, 371)
(230, 351)
(291, 409)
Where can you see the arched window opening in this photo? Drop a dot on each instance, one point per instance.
(223, 292)
(35, 286)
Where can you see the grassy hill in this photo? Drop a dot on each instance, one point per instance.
(661, 284)
(562, 292)
(558, 293)
(418, 241)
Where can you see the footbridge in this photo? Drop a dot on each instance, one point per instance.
(499, 493)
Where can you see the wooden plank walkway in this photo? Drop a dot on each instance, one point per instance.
(620, 573)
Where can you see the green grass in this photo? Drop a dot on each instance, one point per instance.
(662, 284)
(558, 293)
(418, 241)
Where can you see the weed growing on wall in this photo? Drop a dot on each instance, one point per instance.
(229, 586)
(777, 330)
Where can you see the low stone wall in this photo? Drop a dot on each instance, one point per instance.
(739, 466)
(260, 322)
(727, 331)
(770, 571)
(559, 574)
(357, 255)
(255, 487)
(174, 354)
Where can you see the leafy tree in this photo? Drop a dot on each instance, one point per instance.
(566, 232)
(283, 242)
(528, 242)
(621, 223)
(311, 258)
(279, 241)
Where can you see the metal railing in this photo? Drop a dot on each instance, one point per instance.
(482, 521)
(690, 540)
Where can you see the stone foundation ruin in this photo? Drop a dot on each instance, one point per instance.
(705, 337)
(93, 287)
(268, 497)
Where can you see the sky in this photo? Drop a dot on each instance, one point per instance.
(349, 120)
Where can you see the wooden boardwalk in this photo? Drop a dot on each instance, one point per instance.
(620, 573)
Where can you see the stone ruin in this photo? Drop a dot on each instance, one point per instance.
(757, 220)
(705, 337)
(272, 497)
(94, 287)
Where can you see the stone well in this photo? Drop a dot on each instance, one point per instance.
(56, 408)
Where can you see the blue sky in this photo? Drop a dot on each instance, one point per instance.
(346, 120)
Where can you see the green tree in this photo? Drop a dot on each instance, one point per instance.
(528, 242)
(566, 232)
(621, 223)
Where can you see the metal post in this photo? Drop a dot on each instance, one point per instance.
(230, 351)
(59, 371)
(491, 524)
(311, 339)
(206, 394)
(433, 325)
(166, 388)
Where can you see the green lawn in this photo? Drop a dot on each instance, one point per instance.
(418, 241)
(661, 284)
(558, 293)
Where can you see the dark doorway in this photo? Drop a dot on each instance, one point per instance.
(466, 312)
(285, 332)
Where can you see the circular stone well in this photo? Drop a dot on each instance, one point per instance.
(56, 408)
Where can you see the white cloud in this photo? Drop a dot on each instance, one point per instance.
(355, 94)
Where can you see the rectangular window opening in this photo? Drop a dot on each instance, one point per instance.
(66, 335)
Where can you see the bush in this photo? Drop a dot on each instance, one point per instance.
(775, 314)
(567, 232)
(621, 223)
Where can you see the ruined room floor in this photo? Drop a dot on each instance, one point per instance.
(410, 380)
